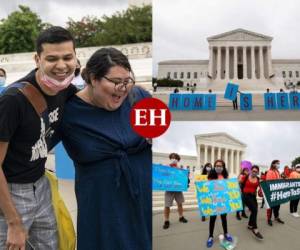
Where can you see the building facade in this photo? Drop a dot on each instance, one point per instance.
(240, 56)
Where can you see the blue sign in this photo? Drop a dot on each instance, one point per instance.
(218, 196)
(270, 101)
(63, 164)
(294, 100)
(231, 91)
(198, 101)
(246, 101)
(175, 102)
(166, 178)
(210, 102)
(282, 101)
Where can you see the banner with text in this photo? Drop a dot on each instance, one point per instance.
(166, 178)
(218, 196)
(281, 191)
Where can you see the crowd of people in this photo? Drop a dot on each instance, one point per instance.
(249, 180)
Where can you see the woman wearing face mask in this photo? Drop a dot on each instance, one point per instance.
(218, 173)
(243, 174)
(294, 203)
(206, 170)
(171, 196)
(251, 184)
(2, 77)
(273, 174)
(113, 164)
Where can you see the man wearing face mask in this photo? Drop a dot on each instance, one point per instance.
(26, 210)
(2, 79)
(274, 174)
(170, 196)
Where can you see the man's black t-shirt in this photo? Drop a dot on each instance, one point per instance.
(21, 126)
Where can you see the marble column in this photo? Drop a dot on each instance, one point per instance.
(212, 160)
(269, 59)
(226, 157)
(219, 63)
(237, 169)
(205, 154)
(231, 169)
(227, 64)
(245, 63)
(261, 63)
(198, 156)
(211, 61)
(219, 153)
(235, 76)
(253, 76)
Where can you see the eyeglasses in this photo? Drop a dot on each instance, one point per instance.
(120, 83)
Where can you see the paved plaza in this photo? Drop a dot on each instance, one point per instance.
(193, 235)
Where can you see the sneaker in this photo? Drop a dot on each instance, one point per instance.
(183, 220)
(166, 224)
(210, 242)
(270, 223)
(296, 215)
(250, 227)
(258, 235)
(228, 237)
(238, 217)
(279, 220)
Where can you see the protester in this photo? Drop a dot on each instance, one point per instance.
(244, 173)
(171, 196)
(78, 81)
(2, 77)
(206, 170)
(294, 203)
(286, 172)
(273, 174)
(263, 178)
(249, 191)
(218, 173)
(25, 196)
(113, 164)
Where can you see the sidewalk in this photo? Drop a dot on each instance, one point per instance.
(193, 235)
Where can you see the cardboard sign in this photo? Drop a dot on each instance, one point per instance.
(231, 91)
(246, 102)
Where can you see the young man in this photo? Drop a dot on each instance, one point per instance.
(26, 211)
(170, 196)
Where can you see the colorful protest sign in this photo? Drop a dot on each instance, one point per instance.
(200, 177)
(294, 100)
(192, 102)
(166, 178)
(246, 102)
(282, 101)
(231, 91)
(246, 164)
(218, 196)
(281, 191)
(270, 101)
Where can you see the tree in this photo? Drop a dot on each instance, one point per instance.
(296, 161)
(19, 31)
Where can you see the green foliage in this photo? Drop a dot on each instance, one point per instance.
(131, 26)
(19, 31)
(296, 161)
(167, 82)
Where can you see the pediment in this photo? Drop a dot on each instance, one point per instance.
(223, 138)
(240, 35)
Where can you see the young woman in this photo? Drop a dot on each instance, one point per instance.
(273, 174)
(294, 203)
(243, 174)
(251, 184)
(206, 170)
(218, 173)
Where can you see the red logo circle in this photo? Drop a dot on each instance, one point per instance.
(150, 117)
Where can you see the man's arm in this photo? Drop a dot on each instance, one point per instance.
(16, 233)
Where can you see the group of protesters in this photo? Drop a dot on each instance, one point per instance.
(249, 182)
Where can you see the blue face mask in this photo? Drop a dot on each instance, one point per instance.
(2, 80)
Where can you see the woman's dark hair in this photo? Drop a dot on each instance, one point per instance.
(174, 156)
(101, 61)
(4, 72)
(77, 70)
(204, 171)
(274, 162)
(213, 174)
(54, 34)
(255, 167)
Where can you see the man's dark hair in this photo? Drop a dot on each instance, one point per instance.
(4, 72)
(54, 34)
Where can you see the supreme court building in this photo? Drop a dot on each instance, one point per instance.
(209, 148)
(240, 56)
